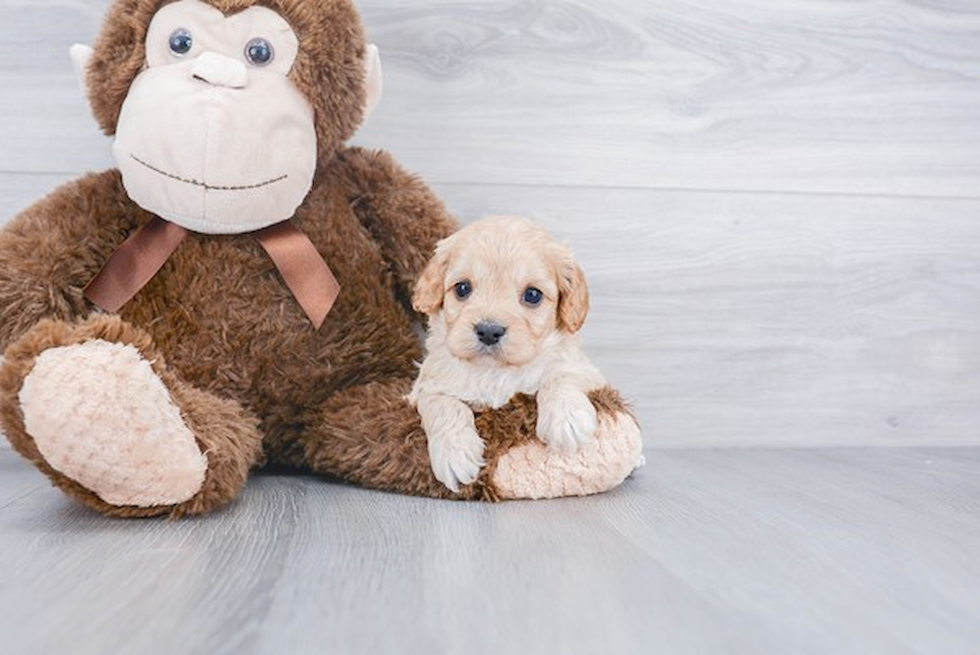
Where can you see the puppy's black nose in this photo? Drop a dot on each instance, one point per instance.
(489, 333)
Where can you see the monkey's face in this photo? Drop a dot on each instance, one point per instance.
(213, 135)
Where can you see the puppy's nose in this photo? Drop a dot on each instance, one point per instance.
(489, 333)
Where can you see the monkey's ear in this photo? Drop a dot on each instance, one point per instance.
(373, 79)
(80, 55)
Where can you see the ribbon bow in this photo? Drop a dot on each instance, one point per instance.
(144, 253)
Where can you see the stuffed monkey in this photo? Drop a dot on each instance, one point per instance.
(238, 291)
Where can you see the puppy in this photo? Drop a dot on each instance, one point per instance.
(505, 303)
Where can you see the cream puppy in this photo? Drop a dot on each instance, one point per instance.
(505, 303)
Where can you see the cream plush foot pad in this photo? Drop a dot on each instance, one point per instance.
(101, 416)
(535, 471)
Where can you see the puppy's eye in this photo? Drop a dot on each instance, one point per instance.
(532, 296)
(463, 289)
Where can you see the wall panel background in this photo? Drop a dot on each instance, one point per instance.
(778, 205)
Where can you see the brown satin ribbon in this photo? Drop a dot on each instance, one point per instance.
(303, 269)
(134, 264)
(144, 253)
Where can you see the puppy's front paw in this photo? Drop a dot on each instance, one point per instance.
(456, 458)
(566, 421)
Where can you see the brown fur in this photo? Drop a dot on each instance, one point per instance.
(254, 381)
(224, 430)
(222, 320)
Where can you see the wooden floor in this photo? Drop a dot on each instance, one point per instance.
(778, 209)
(862, 551)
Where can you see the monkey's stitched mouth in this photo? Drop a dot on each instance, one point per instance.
(204, 185)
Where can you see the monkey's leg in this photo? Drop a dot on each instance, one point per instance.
(529, 469)
(371, 436)
(94, 407)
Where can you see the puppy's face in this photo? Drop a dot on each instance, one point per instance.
(499, 288)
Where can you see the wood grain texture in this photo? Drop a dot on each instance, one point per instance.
(748, 319)
(777, 206)
(816, 284)
(870, 97)
(877, 97)
(821, 314)
(46, 125)
(764, 551)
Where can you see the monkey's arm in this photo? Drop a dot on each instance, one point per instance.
(50, 251)
(402, 214)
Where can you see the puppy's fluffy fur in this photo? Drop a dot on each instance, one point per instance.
(505, 303)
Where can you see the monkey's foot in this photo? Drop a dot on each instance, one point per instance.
(533, 470)
(100, 415)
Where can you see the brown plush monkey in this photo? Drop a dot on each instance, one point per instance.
(172, 324)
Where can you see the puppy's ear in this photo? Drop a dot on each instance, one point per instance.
(573, 294)
(430, 290)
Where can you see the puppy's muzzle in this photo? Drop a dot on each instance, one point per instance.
(489, 333)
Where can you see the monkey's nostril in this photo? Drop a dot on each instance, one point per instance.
(489, 333)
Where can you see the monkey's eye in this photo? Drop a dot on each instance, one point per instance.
(259, 52)
(532, 296)
(463, 289)
(181, 42)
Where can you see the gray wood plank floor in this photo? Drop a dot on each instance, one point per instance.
(703, 551)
